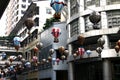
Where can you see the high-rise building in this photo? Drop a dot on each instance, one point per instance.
(15, 10)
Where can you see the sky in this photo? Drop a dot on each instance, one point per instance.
(2, 25)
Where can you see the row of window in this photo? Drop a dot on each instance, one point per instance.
(74, 4)
(113, 19)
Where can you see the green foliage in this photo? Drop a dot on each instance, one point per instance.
(49, 22)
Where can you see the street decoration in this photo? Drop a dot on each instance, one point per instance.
(35, 59)
(35, 49)
(95, 18)
(16, 41)
(81, 39)
(29, 23)
(39, 45)
(57, 5)
(57, 60)
(27, 64)
(61, 49)
(99, 50)
(88, 52)
(51, 51)
(101, 42)
(56, 33)
(3, 55)
(117, 47)
(81, 51)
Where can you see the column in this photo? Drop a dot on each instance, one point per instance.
(107, 70)
(53, 75)
(70, 65)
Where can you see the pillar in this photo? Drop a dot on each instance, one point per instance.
(107, 70)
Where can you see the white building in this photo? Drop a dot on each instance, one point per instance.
(15, 10)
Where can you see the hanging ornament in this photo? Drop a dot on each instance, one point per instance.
(66, 52)
(95, 18)
(28, 65)
(20, 57)
(56, 33)
(75, 55)
(117, 49)
(101, 42)
(81, 39)
(118, 43)
(61, 49)
(81, 51)
(53, 60)
(63, 57)
(3, 56)
(29, 23)
(35, 49)
(99, 50)
(51, 51)
(39, 45)
(57, 60)
(44, 60)
(49, 58)
(35, 59)
(88, 52)
(16, 41)
(57, 5)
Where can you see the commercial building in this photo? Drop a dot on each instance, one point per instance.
(95, 62)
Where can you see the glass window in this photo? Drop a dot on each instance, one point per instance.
(23, 6)
(24, 0)
(37, 21)
(91, 3)
(113, 18)
(29, 1)
(37, 10)
(88, 71)
(23, 12)
(74, 27)
(73, 7)
(109, 2)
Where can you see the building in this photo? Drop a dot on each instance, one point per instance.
(93, 66)
(15, 10)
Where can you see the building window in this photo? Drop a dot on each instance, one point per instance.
(92, 3)
(36, 21)
(109, 2)
(29, 1)
(73, 7)
(37, 10)
(74, 27)
(23, 12)
(113, 18)
(92, 70)
(23, 6)
(48, 11)
(24, 0)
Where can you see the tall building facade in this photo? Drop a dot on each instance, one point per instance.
(89, 61)
(15, 10)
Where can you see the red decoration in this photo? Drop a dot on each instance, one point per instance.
(36, 49)
(81, 51)
(56, 33)
(57, 60)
